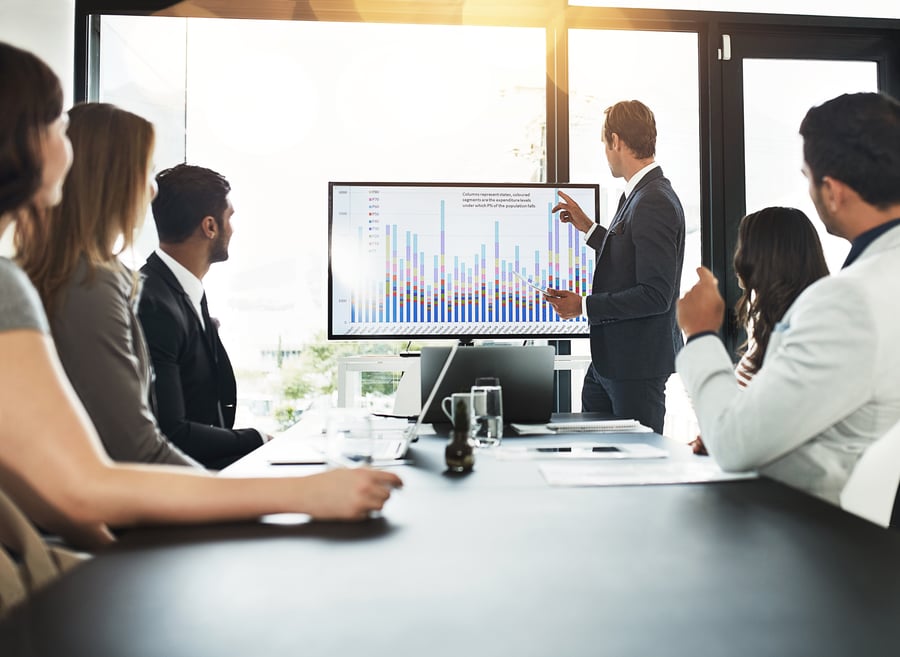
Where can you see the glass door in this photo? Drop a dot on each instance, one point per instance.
(768, 84)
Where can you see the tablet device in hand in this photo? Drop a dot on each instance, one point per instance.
(535, 286)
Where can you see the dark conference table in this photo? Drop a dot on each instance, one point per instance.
(493, 563)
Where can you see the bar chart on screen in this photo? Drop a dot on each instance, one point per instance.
(436, 260)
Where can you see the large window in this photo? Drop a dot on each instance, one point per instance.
(282, 107)
(777, 95)
(609, 66)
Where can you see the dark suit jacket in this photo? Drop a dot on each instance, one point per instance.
(631, 308)
(195, 388)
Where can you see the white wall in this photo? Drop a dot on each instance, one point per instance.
(46, 28)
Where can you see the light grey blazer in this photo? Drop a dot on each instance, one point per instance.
(829, 386)
(103, 351)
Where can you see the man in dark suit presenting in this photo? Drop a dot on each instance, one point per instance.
(195, 387)
(631, 308)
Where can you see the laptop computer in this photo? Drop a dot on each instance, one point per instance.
(411, 433)
(391, 438)
(525, 373)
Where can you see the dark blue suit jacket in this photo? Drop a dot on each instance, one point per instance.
(631, 308)
(195, 388)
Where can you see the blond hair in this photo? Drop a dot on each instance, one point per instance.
(105, 197)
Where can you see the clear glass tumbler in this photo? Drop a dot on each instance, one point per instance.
(488, 411)
(349, 439)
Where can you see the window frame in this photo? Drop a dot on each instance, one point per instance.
(717, 185)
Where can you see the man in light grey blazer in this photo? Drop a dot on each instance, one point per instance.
(830, 382)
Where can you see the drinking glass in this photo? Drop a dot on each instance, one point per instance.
(487, 399)
(349, 441)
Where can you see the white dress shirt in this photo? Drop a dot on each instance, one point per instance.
(192, 285)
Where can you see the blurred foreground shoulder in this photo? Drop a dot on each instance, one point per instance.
(20, 305)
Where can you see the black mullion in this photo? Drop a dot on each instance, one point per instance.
(558, 169)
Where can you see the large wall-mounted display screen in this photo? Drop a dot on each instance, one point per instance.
(453, 260)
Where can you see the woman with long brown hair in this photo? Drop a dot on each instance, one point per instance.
(52, 463)
(778, 255)
(89, 295)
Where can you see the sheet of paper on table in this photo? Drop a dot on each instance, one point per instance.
(695, 470)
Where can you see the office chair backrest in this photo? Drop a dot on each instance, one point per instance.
(27, 563)
(871, 490)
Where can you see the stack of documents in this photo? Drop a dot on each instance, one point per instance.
(599, 426)
(583, 426)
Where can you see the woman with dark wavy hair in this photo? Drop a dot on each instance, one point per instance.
(777, 256)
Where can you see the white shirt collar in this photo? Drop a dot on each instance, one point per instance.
(191, 285)
(636, 178)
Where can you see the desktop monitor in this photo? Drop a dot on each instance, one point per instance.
(453, 260)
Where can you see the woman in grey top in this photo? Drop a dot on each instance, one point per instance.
(52, 462)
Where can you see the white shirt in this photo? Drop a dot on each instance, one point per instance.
(191, 285)
(629, 187)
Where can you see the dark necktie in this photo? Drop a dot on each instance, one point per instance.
(212, 337)
(210, 332)
(621, 203)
